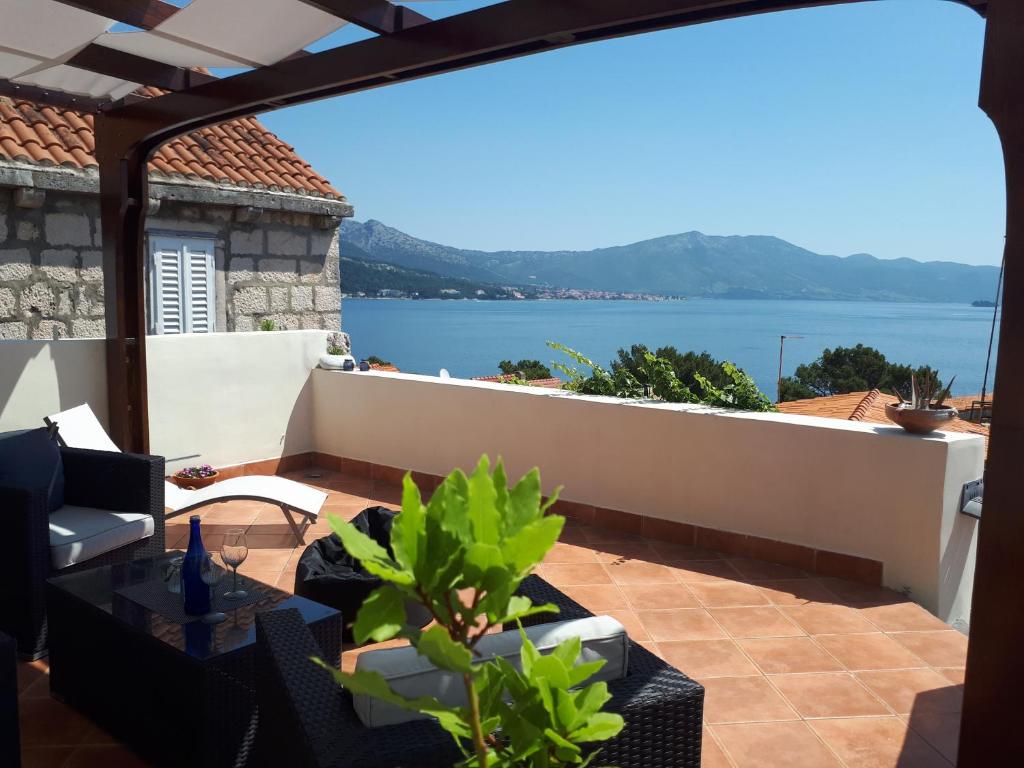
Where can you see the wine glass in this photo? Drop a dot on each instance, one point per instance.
(211, 574)
(233, 553)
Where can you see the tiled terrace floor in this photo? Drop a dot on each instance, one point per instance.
(799, 671)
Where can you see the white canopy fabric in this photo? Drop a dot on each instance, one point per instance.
(38, 37)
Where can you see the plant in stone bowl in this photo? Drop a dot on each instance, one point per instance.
(925, 411)
(196, 477)
(462, 556)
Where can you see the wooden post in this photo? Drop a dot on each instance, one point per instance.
(995, 656)
(123, 195)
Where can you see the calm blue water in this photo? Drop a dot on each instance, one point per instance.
(469, 338)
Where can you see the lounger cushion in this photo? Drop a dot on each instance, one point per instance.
(31, 459)
(79, 428)
(78, 534)
(411, 675)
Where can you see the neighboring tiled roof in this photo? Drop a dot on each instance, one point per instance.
(239, 152)
(379, 367)
(552, 383)
(870, 407)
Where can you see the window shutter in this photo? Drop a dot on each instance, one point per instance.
(198, 260)
(182, 285)
(168, 293)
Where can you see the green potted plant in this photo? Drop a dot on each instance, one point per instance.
(196, 477)
(925, 411)
(462, 557)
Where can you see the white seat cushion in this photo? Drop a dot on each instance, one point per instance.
(412, 675)
(78, 534)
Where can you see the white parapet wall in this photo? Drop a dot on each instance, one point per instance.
(860, 489)
(220, 398)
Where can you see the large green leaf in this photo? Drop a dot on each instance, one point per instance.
(373, 557)
(529, 546)
(599, 727)
(523, 502)
(581, 672)
(519, 607)
(408, 526)
(371, 683)
(590, 699)
(381, 616)
(482, 512)
(480, 559)
(443, 652)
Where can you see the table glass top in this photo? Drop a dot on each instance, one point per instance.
(98, 587)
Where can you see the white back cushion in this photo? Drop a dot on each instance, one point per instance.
(412, 675)
(78, 427)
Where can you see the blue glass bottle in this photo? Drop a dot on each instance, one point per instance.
(193, 588)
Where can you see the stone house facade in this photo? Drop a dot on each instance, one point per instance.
(239, 230)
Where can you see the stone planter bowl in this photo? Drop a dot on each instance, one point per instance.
(195, 483)
(920, 421)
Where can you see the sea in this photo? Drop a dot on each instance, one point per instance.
(469, 338)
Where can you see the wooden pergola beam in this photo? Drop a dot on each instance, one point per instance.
(137, 69)
(378, 16)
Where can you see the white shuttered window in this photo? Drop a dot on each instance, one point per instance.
(181, 285)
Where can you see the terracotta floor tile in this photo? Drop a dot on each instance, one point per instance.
(48, 722)
(33, 678)
(940, 729)
(711, 754)
(630, 549)
(782, 655)
(259, 540)
(911, 690)
(743, 700)
(902, 617)
(45, 757)
(877, 742)
(597, 598)
(236, 513)
(265, 560)
(947, 648)
(269, 578)
(562, 552)
(726, 594)
(680, 552)
(953, 674)
(105, 756)
(758, 570)
(653, 596)
(794, 591)
(852, 593)
(639, 572)
(832, 694)
(680, 624)
(702, 659)
(631, 622)
(875, 651)
(571, 534)
(699, 571)
(819, 619)
(570, 574)
(766, 621)
(770, 745)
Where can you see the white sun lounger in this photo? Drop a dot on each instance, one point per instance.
(79, 428)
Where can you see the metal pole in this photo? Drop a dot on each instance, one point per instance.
(782, 344)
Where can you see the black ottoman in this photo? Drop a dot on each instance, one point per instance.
(330, 576)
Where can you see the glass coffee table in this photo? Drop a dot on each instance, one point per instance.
(178, 694)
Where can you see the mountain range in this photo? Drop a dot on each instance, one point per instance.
(690, 264)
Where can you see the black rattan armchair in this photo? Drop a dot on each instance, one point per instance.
(117, 482)
(307, 720)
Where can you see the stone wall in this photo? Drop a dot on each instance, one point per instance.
(283, 266)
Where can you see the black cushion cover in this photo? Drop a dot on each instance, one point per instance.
(31, 459)
(329, 575)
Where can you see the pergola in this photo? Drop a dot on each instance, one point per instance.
(61, 52)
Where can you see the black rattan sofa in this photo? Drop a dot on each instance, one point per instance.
(117, 482)
(307, 720)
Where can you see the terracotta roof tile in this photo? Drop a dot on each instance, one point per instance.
(870, 407)
(553, 383)
(242, 151)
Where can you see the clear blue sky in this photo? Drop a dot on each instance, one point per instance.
(844, 130)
